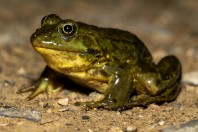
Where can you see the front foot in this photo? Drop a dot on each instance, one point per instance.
(43, 85)
(49, 82)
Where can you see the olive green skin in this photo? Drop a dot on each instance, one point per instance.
(110, 61)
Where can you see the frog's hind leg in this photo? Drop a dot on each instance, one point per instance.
(144, 100)
(169, 69)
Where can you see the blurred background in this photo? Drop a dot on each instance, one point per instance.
(166, 27)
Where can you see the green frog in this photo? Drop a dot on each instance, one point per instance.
(113, 62)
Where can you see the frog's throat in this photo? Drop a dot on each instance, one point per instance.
(63, 60)
(74, 67)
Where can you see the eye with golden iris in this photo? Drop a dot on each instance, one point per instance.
(68, 28)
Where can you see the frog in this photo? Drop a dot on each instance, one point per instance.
(113, 62)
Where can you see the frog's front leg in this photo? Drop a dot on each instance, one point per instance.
(49, 82)
(119, 89)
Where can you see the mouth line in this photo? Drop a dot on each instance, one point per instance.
(55, 49)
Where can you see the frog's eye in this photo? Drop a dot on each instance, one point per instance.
(68, 28)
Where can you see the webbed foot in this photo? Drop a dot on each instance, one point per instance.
(43, 85)
(49, 82)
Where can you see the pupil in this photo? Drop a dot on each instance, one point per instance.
(68, 28)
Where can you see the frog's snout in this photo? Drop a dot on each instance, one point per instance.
(32, 38)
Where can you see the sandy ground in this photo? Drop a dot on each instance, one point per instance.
(167, 27)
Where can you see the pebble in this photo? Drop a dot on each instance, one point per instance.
(63, 110)
(118, 113)
(9, 82)
(161, 123)
(89, 130)
(63, 102)
(191, 78)
(95, 96)
(21, 71)
(3, 124)
(85, 117)
(29, 114)
(191, 126)
(140, 116)
(115, 129)
(131, 128)
(49, 111)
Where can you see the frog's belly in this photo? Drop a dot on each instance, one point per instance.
(96, 82)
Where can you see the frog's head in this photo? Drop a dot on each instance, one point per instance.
(66, 45)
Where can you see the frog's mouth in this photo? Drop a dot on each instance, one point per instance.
(48, 43)
(63, 61)
(57, 47)
(54, 49)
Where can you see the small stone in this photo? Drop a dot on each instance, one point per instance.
(89, 130)
(191, 126)
(131, 129)
(63, 102)
(9, 82)
(63, 110)
(49, 111)
(3, 124)
(95, 96)
(140, 116)
(20, 123)
(73, 95)
(116, 129)
(29, 114)
(85, 117)
(118, 113)
(161, 123)
(191, 78)
(21, 71)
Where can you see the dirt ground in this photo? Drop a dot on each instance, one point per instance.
(166, 27)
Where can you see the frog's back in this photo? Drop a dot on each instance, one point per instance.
(120, 46)
(125, 46)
